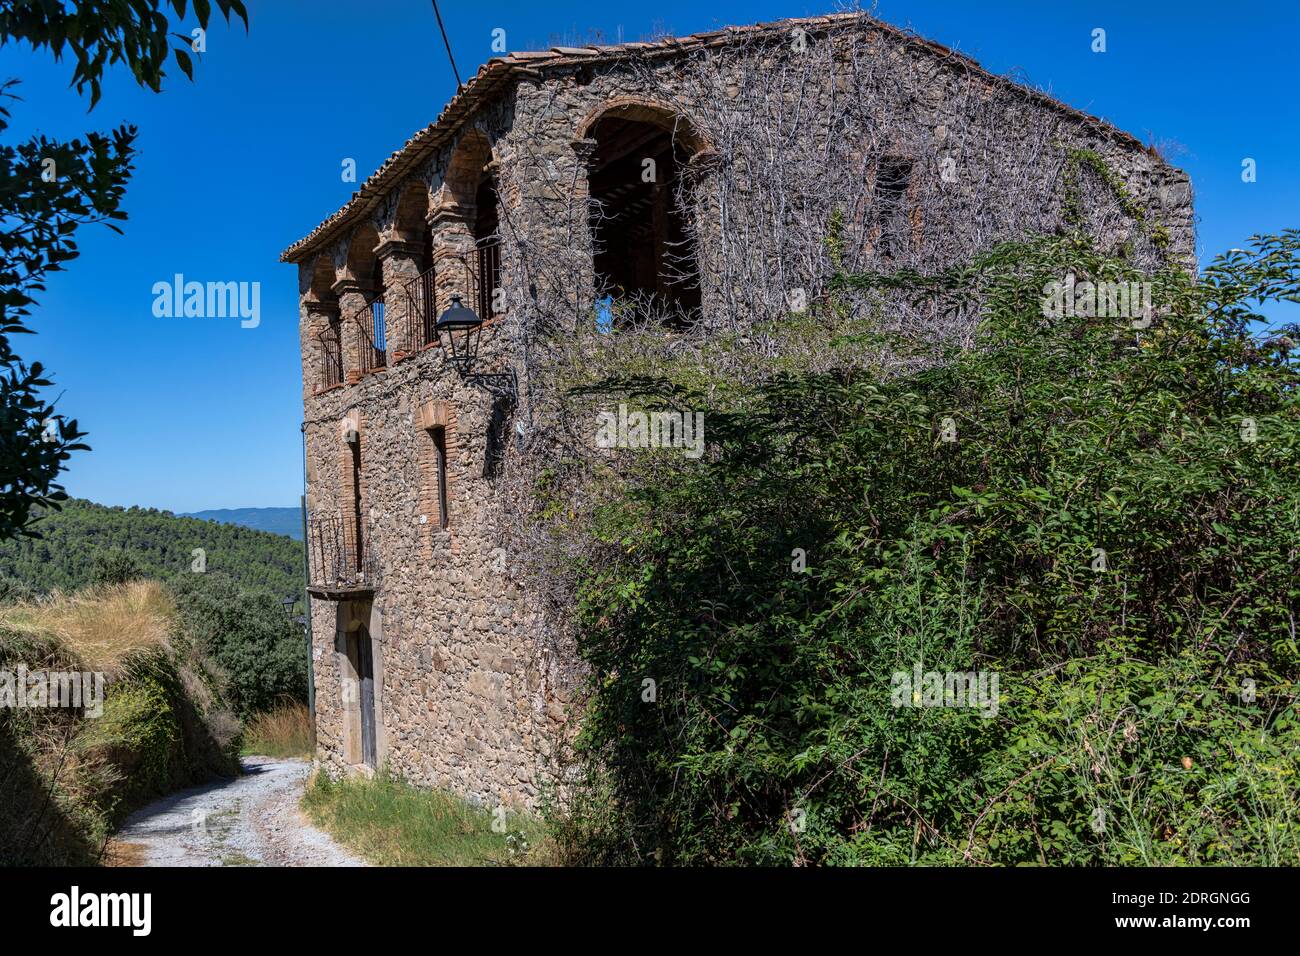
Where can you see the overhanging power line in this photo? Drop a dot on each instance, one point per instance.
(447, 44)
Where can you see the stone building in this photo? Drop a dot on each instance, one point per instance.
(700, 173)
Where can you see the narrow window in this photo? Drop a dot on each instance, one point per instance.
(892, 178)
(356, 561)
(440, 451)
(487, 244)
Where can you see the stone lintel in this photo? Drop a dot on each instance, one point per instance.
(434, 414)
(399, 247)
(348, 284)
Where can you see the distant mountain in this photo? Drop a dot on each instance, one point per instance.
(158, 543)
(286, 521)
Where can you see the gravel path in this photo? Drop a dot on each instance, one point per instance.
(252, 820)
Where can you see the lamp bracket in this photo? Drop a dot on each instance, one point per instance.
(503, 384)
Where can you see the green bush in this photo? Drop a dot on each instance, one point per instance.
(114, 567)
(71, 776)
(1111, 533)
(246, 633)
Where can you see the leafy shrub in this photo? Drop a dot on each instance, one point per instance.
(70, 776)
(246, 633)
(1112, 533)
(114, 567)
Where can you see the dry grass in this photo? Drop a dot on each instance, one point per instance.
(282, 732)
(102, 627)
(121, 853)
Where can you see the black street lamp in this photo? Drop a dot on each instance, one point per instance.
(463, 327)
(289, 603)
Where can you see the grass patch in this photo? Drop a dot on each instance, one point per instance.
(391, 823)
(282, 732)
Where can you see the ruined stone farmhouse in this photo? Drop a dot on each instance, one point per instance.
(700, 174)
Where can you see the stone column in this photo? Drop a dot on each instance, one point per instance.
(578, 203)
(702, 187)
(319, 316)
(399, 261)
(583, 150)
(352, 296)
(453, 253)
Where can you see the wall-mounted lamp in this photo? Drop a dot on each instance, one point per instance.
(463, 328)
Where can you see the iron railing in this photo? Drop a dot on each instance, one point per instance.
(370, 320)
(421, 296)
(486, 278)
(331, 348)
(339, 555)
(420, 302)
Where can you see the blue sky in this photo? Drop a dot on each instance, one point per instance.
(187, 414)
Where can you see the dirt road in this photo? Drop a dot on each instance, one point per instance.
(252, 820)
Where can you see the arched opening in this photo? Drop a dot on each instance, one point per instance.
(365, 267)
(487, 248)
(417, 295)
(329, 336)
(361, 254)
(474, 242)
(412, 221)
(644, 250)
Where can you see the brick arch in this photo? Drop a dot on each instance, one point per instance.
(412, 216)
(646, 110)
(643, 229)
(323, 276)
(361, 253)
(465, 169)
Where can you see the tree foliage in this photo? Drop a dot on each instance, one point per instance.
(259, 650)
(79, 540)
(229, 583)
(1111, 530)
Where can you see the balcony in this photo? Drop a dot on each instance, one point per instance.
(421, 298)
(485, 277)
(474, 277)
(340, 562)
(416, 305)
